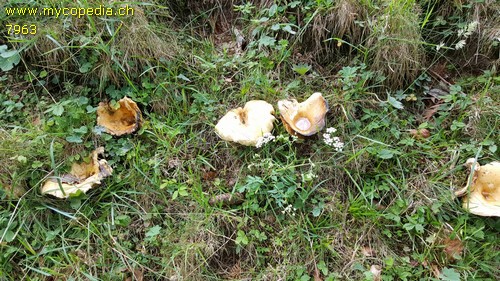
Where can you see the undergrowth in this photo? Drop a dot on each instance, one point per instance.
(366, 198)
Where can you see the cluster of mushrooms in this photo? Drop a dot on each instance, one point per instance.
(124, 119)
(246, 126)
(252, 122)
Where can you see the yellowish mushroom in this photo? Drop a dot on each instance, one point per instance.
(305, 118)
(124, 120)
(482, 197)
(247, 125)
(83, 177)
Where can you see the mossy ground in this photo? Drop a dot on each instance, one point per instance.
(309, 212)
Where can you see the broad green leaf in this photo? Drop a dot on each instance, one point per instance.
(153, 231)
(58, 110)
(241, 238)
(8, 62)
(449, 274)
(394, 102)
(266, 41)
(81, 130)
(122, 220)
(301, 69)
(385, 154)
(288, 28)
(7, 234)
(74, 139)
(272, 10)
(86, 67)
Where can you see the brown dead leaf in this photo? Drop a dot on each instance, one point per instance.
(174, 163)
(235, 272)
(137, 275)
(227, 199)
(210, 175)
(435, 270)
(453, 248)
(430, 111)
(317, 275)
(420, 133)
(367, 251)
(37, 121)
(13, 192)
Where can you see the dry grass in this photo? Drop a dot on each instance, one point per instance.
(205, 16)
(395, 45)
(343, 21)
(133, 44)
(142, 44)
(486, 43)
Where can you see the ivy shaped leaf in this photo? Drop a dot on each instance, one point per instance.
(8, 59)
(449, 274)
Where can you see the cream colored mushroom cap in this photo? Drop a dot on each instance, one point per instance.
(124, 120)
(305, 118)
(83, 177)
(484, 196)
(246, 125)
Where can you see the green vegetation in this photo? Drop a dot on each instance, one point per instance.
(383, 204)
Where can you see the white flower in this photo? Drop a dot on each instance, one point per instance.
(331, 130)
(335, 142)
(441, 45)
(289, 210)
(308, 177)
(267, 137)
(460, 44)
(468, 30)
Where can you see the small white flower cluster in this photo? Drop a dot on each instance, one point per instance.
(289, 210)
(441, 45)
(465, 33)
(468, 30)
(309, 177)
(335, 142)
(267, 137)
(460, 44)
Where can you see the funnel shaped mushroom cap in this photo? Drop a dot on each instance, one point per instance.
(305, 118)
(484, 196)
(83, 177)
(246, 125)
(124, 120)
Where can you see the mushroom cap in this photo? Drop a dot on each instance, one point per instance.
(83, 177)
(246, 125)
(124, 120)
(305, 118)
(484, 196)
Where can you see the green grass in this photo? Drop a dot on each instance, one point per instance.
(309, 212)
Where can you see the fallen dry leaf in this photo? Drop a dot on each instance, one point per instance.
(317, 275)
(435, 270)
(453, 248)
(367, 251)
(430, 111)
(420, 133)
(210, 175)
(227, 199)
